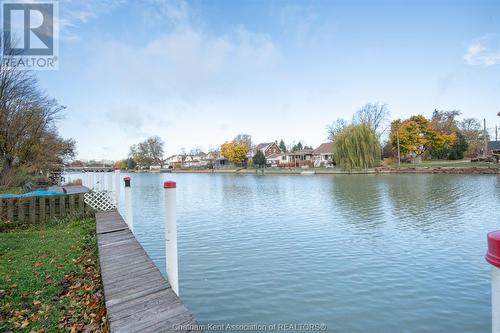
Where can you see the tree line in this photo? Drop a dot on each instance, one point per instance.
(150, 152)
(30, 144)
(357, 144)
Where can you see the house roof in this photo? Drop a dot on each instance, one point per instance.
(263, 146)
(212, 155)
(172, 156)
(301, 152)
(324, 148)
(493, 145)
(274, 155)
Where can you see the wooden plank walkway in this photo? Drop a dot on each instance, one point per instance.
(138, 298)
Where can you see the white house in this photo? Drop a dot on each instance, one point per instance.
(323, 155)
(173, 160)
(276, 159)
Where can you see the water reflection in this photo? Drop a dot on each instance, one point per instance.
(359, 253)
(359, 199)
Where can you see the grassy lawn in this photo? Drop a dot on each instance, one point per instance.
(50, 279)
(445, 164)
(12, 190)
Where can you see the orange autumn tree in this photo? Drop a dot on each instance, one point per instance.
(416, 136)
(234, 152)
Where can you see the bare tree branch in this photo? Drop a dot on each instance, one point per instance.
(374, 115)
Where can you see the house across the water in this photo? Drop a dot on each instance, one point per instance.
(268, 149)
(319, 157)
(323, 155)
(493, 146)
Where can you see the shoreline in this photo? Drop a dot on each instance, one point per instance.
(376, 171)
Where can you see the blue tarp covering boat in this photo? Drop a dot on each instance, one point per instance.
(32, 194)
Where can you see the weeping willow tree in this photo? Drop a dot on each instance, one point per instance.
(357, 147)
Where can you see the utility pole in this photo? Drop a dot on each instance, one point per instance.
(496, 133)
(399, 151)
(485, 138)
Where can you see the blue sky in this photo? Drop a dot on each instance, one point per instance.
(197, 73)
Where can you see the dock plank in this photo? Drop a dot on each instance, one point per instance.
(138, 298)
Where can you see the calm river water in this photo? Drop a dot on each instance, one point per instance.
(360, 253)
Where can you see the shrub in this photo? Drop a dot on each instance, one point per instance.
(259, 159)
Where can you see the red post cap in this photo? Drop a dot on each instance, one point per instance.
(493, 254)
(126, 178)
(169, 184)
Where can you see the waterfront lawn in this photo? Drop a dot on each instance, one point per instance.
(445, 164)
(11, 190)
(50, 278)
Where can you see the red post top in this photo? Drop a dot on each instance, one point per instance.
(169, 184)
(126, 178)
(493, 254)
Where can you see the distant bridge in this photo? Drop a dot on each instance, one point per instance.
(91, 169)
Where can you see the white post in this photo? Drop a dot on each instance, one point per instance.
(495, 299)
(101, 181)
(92, 180)
(128, 204)
(117, 188)
(493, 257)
(171, 235)
(110, 181)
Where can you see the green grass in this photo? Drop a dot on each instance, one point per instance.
(445, 164)
(11, 190)
(49, 277)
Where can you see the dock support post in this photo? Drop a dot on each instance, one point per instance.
(110, 181)
(171, 235)
(493, 257)
(128, 204)
(117, 188)
(102, 186)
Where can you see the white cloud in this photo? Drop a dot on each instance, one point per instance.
(128, 119)
(174, 84)
(479, 52)
(73, 14)
(184, 62)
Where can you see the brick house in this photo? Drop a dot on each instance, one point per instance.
(268, 149)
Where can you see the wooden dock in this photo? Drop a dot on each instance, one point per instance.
(138, 298)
